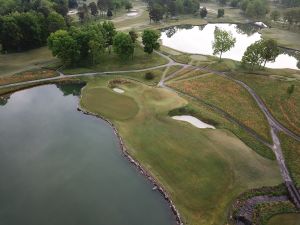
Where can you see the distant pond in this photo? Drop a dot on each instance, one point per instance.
(61, 167)
(198, 40)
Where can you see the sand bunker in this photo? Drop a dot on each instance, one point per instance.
(194, 121)
(118, 90)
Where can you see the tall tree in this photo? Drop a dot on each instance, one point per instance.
(110, 32)
(269, 50)
(253, 55)
(94, 9)
(55, 22)
(150, 40)
(223, 41)
(123, 45)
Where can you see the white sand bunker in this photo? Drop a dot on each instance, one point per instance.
(118, 90)
(194, 121)
(261, 24)
(132, 14)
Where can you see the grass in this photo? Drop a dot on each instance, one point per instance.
(30, 60)
(111, 62)
(289, 219)
(228, 96)
(27, 76)
(284, 37)
(283, 106)
(203, 170)
(99, 101)
(291, 152)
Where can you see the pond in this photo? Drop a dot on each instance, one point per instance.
(198, 40)
(61, 167)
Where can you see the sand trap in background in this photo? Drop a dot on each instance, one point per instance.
(118, 90)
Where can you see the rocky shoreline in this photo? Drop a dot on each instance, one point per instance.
(141, 169)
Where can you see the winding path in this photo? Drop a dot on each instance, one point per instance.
(275, 126)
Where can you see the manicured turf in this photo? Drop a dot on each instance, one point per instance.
(203, 170)
(18, 62)
(286, 219)
(111, 62)
(230, 97)
(273, 90)
(108, 103)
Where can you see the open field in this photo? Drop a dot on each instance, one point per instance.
(228, 96)
(284, 38)
(289, 219)
(273, 90)
(195, 166)
(19, 62)
(111, 62)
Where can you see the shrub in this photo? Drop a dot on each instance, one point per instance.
(221, 13)
(203, 12)
(149, 76)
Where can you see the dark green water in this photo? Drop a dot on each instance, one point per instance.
(60, 167)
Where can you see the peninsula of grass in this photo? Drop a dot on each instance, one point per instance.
(228, 96)
(273, 89)
(203, 170)
(112, 62)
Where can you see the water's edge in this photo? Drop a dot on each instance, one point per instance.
(135, 162)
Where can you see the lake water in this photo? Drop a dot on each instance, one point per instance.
(198, 40)
(61, 167)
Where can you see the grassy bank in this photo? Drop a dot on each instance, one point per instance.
(203, 170)
(289, 219)
(228, 96)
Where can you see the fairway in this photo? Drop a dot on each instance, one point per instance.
(109, 103)
(196, 166)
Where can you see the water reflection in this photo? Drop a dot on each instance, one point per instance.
(198, 40)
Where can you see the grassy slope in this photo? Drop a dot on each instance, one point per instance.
(18, 62)
(273, 91)
(111, 62)
(289, 219)
(228, 96)
(203, 170)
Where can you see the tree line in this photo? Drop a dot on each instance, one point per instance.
(88, 44)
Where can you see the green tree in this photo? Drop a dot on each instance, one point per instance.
(221, 13)
(55, 22)
(94, 9)
(156, 12)
(128, 5)
(64, 47)
(110, 32)
(123, 45)
(203, 12)
(223, 41)
(10, 33)
(269, 50)
(134, 35)
(150, 40)
(253, 56)
(275, 15)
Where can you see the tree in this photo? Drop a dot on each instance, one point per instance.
(149, 76)
(55, 22)
(275, 15)
(269, 50)
(223, 42)
(10, 33)
(252, 55)
(110, 32)
(61, 6)
(109, 13)
(133, 35)
(128, 5)
(72, 4)
(156, 13)
(64, 47)
(222, 2)
(150, 40)
(94, 8)
(203, 12)
(256, 9)
(234, 3)
(97, 47)
(221, 13)
(123, 45)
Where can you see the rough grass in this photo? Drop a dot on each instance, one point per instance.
(283, 37)
(203, 170)
(108, 103)
(273, 90)
(291, 152)
(111, 62)
(289, 219)
(27, 76)
(18, 62)
(228, 96)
